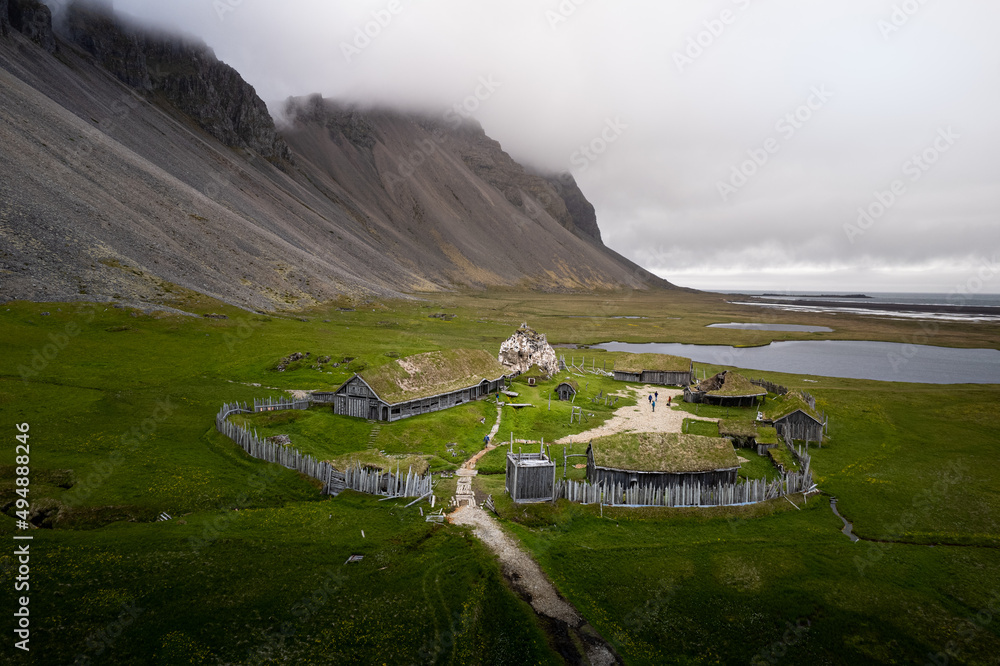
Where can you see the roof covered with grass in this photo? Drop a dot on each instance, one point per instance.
(783, 405)
(664, 452)
(737, 428)
(766, 435)
(376, 460)
(636, 363)
(432, 373)
(731, 385)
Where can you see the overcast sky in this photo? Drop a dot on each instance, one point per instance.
(733, 141)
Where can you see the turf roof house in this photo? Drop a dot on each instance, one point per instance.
(726, 389)
(661, 460)
(567, 390)
(419, 384)
(795, 415)
(660, 369)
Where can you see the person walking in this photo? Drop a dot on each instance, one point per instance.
(654, 406)
(656, 395)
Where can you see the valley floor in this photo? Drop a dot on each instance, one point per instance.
(251, 568)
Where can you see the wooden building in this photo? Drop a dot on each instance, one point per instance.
(531, 477)
(794, 416)
(419, 384)
(567, 390)
(661, 369)
(661, 460)
(746, 433)
(726, 389)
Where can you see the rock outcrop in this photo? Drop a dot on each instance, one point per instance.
(183, 70)
(526, 348)
(133, 173)
(31, 18)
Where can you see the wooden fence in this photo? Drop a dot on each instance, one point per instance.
(693, 493)
(770, 387)
(334, 481)
(778, 389)
(276, 404)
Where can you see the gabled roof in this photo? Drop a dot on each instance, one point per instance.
(787, 404)
(636, 363)
(734, 385)
(664, 452)
(573, 385)
(432, 373)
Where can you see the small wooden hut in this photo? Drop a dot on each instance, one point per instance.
(661, 369)
(567, 390)
(726, 389)
(531, 477)
(794, 416)
(661, 460)
(419, 384)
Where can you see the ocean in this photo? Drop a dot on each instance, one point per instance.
(978, 307)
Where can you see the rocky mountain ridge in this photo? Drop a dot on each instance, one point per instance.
(137, 164)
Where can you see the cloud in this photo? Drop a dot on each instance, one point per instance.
(701, 89)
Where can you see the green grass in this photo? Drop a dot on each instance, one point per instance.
(784, 457)
(551, 421)
(721, 586)
(757, 466)
(327, 436)
(663, 452)
(699, 427)
(272, 584)
(123, 409)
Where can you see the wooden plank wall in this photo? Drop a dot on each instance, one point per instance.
(691, 493)
(362, 480)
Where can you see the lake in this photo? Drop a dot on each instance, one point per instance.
(796, 328)
(883, 361)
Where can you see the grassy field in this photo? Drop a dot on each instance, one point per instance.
(121, 406)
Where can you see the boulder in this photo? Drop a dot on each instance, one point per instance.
(527, 348)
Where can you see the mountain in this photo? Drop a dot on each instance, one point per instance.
(134, 162)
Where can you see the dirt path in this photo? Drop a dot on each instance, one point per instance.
(464, 495)
(565, 627)
(560, 620)
(641, 417)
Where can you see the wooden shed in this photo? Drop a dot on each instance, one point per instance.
(419, 384)
(660, 369)
(794, 416)
(531, 477)
(661, 460)
(726, 389)
(567, 390)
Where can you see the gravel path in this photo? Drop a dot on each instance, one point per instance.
(525, 576)
(641, 417)
(530, 582)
